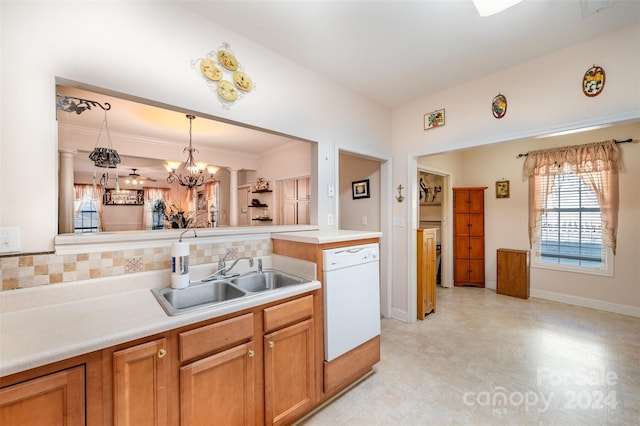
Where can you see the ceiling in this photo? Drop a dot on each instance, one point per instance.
(393, 52)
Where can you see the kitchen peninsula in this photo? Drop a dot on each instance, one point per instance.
(101, 340)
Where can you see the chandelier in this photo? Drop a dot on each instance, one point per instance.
(190, 173)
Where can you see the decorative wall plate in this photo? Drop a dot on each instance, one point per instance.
(227, 90)
(499, 106)
(210, 69)
(242, 81)
(227, 59)
(593, 81)
(224, 75)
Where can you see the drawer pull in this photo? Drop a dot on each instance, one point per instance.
(251, 353)
(162, 353)
(271, 344)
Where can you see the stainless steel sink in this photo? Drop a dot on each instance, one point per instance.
(176, 301)
(269, 279)
(206, 294)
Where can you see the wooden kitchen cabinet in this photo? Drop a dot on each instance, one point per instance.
(426, 274)
(219, 389)
(53, 399)
(468, 236)
(289, 373)
(513, 273)
(141, 385)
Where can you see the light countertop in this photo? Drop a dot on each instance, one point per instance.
(44, 324)
(325, 236)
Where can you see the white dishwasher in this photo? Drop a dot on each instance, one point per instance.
(351, 297)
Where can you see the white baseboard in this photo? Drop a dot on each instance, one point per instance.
(399, 315)
(633, 311)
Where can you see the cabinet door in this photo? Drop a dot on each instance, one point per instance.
(461, 225)
(460, 201)
(140, 388)
(219, 389)
(476, 248)
(55, 399)
(475, 225)
(426, 272)
(461, 271)
(476, 271)
(476, 201)
(288, 372)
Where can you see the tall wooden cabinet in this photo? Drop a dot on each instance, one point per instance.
(513, 273)
(426, 271)
(468, 237)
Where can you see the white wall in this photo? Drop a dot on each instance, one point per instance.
(543, 95)
(145, 49)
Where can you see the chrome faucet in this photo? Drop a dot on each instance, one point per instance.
(224, 270)
(259, 265)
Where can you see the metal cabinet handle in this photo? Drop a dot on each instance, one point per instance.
(162, 353)
(271, 344)
(251, 353)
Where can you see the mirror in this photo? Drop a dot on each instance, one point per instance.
(148, 135)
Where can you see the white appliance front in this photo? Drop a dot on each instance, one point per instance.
(351, 298)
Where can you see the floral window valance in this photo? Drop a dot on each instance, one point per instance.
(597, 164)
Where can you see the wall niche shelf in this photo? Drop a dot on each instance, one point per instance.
(259, 205)
(261, 190)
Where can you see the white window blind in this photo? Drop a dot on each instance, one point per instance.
(571, 230)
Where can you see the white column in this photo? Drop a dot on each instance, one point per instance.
(65, 191)
(233, 197)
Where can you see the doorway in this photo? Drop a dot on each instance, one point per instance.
(434, 211)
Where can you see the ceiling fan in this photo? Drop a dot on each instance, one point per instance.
(136, 179)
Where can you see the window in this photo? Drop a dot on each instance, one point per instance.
(87, 219)
(571, 225)
(573, 206)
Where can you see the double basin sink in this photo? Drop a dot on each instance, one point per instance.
(210, 293)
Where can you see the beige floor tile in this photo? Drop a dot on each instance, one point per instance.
(488, 359)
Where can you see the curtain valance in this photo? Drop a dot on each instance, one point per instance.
(596, 164)
(592, 157)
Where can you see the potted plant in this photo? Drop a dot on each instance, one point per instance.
(177, 217)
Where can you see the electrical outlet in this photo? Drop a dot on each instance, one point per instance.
(10, 240)
(364, 220)
(329, 219)
(331, 192)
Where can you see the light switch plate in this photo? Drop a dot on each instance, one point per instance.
(10, 240)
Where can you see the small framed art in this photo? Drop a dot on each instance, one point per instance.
(502, 189)
(434, 119)
(360, 189)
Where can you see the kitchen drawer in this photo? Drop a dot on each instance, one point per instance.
(287, 313)
(215, 337)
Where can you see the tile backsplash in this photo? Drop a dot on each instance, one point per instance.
(24, 271)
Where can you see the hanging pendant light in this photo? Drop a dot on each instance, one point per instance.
(105, 157)
(190, 173)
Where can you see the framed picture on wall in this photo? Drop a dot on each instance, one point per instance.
(360, 189)
(429, 189)
(502, 189)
